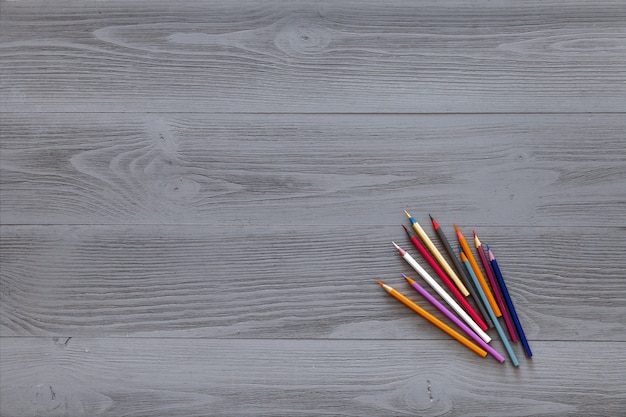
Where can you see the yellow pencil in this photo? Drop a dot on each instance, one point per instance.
(434, 320)
(477, 271)
(437, 255)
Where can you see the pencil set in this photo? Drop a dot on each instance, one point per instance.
(474, 299)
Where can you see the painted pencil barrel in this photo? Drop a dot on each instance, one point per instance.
(494, 319)
(430, 280)
(509, 303)
(455, 320)
(440, 259)
(441, 325)
(476, 269)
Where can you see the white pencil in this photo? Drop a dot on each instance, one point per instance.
(446, 297)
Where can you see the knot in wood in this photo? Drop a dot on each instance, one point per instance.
(303, 37)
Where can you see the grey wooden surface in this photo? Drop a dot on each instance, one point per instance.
(196, 199)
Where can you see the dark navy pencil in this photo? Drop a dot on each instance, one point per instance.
(509, 302)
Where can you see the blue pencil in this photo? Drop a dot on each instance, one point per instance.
(492, 315)
(509, 302)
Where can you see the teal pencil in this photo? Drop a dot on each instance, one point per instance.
(492, 315)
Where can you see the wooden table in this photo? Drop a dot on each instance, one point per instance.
(197, 198)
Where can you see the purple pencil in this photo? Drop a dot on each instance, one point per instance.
(455, 319)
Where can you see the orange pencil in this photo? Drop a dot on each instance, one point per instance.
(479, 274)
(434, 320)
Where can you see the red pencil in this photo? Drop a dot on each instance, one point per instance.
(435, 266)
(496, 289)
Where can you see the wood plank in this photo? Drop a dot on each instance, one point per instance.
(172, 377)
(314, 169)
(302, 56)
(288, 282)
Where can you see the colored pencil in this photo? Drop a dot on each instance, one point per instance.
(454, 319)
(431, 261)
(436, 254)
(460, 269)
(491, 313)
(434, 320)
(510, 327)
(443, 294)
(509, 302)
(479, 275)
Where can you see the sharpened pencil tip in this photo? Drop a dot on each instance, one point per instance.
(403, 275)
(431, 217)
(406, 230)
(380, 283)
(407, 214)
(409, 280)
(402, 251)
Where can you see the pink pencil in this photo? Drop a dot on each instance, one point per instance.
(455, 319)
(496, 289)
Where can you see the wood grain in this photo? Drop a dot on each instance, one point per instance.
(198, 377)
(297, 282)
(510, 170)
(303, 56)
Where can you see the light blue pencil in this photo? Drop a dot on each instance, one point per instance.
(492, 315)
